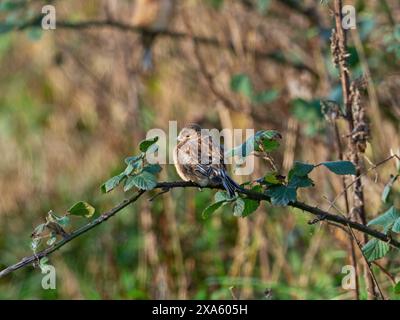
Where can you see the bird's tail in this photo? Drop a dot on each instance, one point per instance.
(229, 184)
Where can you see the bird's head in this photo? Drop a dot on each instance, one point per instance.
(191, 131)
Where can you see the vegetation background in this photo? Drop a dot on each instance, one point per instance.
(74, 103)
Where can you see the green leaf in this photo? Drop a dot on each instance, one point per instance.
(250, 206)
(270, 145)
(397, 288)
(387, 219)
(271, 178)
(133, 159)
(263, 5)
(6, 27)
(238, 207)
(35, 33)
(152, 168)
(222, 196)
(146, 144)
(207, 212)
(38, 230)
(82, 209)
(300, 182)
(281, 195)
(243, 150)
(43, 261)
(396, 32)
(266, 97)
(300, 169)
(241, 83)
(340, 167)
(388, 188)
(386, 192)
(35, 244)
(309, 113)
(268, 139)
(257, 188)
(112, 183)
(52, 239)
(129, 169)
(152, 149)
(267, 134)
(129, 183)
(216, 4)
(375, 249)
(265, 138)
(63, 221)
(396, 226)
(144, 181)
(11, 5)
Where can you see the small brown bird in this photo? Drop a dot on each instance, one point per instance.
(199, 159)
(154, 16)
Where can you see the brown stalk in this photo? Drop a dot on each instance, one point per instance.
(350, 99)
(350, 248)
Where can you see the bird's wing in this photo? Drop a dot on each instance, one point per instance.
(210, 160)
(211, 152)
(187, 161)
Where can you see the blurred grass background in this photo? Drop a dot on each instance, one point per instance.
(74, 104)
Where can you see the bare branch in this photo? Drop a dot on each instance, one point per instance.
(176, 35)
(166, 186)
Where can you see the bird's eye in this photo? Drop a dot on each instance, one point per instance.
(187, 136)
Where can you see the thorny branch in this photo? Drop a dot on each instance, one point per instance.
(358, 127)
(167, 186)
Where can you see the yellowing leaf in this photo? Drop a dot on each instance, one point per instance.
(82, 209)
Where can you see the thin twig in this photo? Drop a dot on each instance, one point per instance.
(209, 78)
(105, 216)
(395, 156)
(368, 264)
(386, 272)
(158, 194)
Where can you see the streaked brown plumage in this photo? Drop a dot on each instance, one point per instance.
(199, 159)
